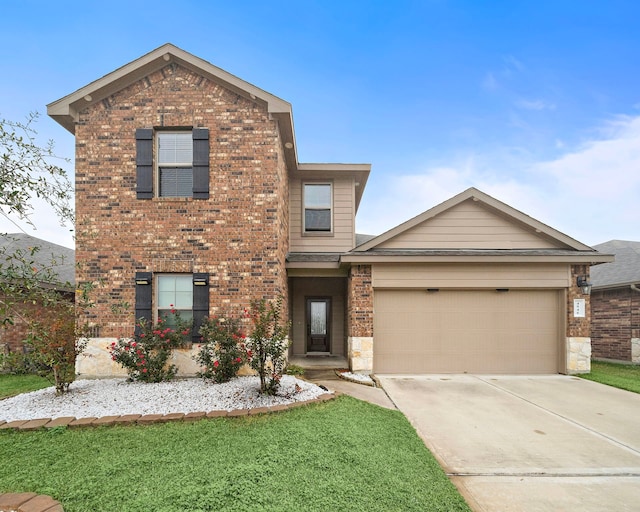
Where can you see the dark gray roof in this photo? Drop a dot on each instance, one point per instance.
(624, 270)
(313, 257)
(61, 259)
(361, 238)
(472, 252)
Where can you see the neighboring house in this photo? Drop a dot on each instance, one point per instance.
(52, 261)
(189, 192)
(615, 303)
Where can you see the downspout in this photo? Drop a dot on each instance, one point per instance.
(635, 288)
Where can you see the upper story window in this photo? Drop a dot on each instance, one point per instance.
(174, 164)
(178, 167)
(317, 200)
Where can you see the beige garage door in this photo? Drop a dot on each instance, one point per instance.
(466, 331)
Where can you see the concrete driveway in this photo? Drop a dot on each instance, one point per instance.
(523, 443)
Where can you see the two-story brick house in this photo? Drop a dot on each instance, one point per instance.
(189, 192)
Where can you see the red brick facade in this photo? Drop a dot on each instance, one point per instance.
(239, 236)
(616, 320)
(360, 302)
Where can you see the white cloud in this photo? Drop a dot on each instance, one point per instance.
(512, 64)
(490, 83)
(535, 104)
(590, 193)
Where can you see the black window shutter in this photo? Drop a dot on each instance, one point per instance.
(201, 163)
(200, 303)
(143, 298)
(144, 163)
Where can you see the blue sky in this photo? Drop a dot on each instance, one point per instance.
(536, 103)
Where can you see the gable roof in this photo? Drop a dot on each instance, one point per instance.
(415, 238)
(65, 110)
(624, 271)
(49, 255)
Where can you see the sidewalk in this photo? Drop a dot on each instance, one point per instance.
(328, 378)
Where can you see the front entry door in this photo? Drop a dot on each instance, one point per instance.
(318, 324)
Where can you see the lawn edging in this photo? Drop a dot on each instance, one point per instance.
(147, 419)
(28, 501)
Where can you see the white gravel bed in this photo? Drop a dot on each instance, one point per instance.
(111, 397)
(357, 377)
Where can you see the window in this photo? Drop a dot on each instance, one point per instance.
(186, 293)
(175, 292)
(317, 208)
(181, 165)
(175, 160)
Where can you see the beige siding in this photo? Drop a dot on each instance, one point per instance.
(467, 331)
(343, 236)
(448, 275)
(468, 226)
(318, 287)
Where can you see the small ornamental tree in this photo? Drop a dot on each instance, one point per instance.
(268, 344)
(146, 355)
(221, 354)
(57, 336)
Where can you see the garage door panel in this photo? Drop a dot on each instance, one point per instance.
(466, 331)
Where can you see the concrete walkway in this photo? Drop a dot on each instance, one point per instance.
(534, 444)
(327, 377)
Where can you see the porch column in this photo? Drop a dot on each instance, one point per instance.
(578, 338)
(360, 319)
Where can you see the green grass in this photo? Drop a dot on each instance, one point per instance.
(339, 455)
(623, 376)
(11, 385)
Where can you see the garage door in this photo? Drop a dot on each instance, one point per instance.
(482, 331)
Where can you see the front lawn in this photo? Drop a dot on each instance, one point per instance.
(11, 385)
(623, 376)
(339, 455)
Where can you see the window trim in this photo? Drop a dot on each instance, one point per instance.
(318, 233)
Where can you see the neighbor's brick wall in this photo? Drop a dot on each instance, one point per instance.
(616, 319)
(578, 327)
(360, 302)
(239, 235)
(12, 336)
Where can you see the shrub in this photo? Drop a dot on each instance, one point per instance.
(268, 344)
(57, 336)
(145, 356)
(16, 363)
(221, 354)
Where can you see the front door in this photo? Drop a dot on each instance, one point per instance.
(318, 324)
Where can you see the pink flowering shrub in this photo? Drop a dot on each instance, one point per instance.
(146, 355)
(268, 344)
(222, 353)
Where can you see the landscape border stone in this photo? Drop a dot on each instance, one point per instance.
(148, 419)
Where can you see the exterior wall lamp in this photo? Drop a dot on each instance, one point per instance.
(584, 285)
(199, 280)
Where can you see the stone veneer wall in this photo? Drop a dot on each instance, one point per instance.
(616, 324)
(239, 236)
(578, 336)
(360, 319)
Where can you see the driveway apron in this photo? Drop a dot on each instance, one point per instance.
(528, 443)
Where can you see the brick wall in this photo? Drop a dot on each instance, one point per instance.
(578, 327)
(360, 302)
(12, 336)
(239, 235)
(616, 319)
